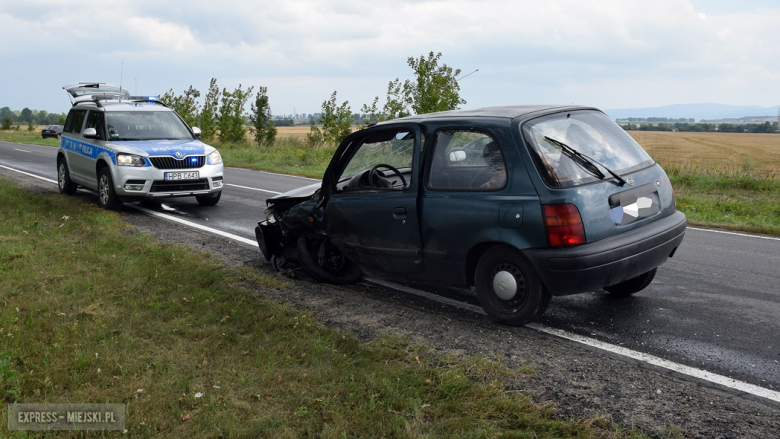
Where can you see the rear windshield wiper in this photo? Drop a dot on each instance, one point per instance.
(586, 162)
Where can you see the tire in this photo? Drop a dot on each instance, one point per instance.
(633, 285)
(107, 197)
(208, 200)
(65, 184)
(508, 267)
(325, 263)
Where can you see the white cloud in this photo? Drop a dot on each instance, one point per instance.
(611, 53)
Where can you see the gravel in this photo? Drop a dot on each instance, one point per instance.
(581, 382)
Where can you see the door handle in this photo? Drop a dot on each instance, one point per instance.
(399, 213)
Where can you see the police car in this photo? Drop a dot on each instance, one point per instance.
(130, 148)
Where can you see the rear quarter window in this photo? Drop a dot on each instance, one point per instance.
(75, 121)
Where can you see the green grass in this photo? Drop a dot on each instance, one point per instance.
(93, 312)
(28, 137)
(289, 155)
(735, 201)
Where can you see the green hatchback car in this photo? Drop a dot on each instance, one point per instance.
(521, 202)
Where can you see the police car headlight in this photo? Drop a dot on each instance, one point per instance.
(129, 160)
(215, 158)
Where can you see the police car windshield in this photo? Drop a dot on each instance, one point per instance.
(145, 125)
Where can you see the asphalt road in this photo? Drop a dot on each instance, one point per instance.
(714, 306)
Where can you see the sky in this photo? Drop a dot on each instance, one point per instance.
(606, 53)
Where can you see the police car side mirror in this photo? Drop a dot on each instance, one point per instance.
(90, 133)
(196, 131)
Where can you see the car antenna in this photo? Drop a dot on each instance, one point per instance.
(463, 77)
(121, 72)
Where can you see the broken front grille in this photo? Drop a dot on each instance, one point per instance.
(180, 186)
(192, 162)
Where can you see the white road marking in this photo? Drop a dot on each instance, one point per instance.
(252, 188)
(196, 225)
(733, 233)
(22, 150)
(27, 173)
(639, 356)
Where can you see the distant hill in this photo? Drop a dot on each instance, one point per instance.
(696, 111)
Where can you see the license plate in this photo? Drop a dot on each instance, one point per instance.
(182, 175)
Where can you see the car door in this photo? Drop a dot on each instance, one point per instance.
(71, 142)
(373, 219)
(84, 163)
(464, 202)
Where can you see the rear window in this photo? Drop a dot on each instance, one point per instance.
(588, 132)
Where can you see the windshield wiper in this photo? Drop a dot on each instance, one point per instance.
(584, 161)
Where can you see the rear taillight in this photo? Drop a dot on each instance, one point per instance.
(564, 225)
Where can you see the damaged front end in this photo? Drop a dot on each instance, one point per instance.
(293, 235)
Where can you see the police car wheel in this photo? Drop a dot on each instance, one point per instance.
(64, 182)
(107, 197)
(208, 200)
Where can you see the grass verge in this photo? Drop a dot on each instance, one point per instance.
(93, 312)
(289, 155)
(28, 137)
(735, 201)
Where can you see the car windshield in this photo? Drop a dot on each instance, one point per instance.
(145, 125)
(394, 148)
(588, 132)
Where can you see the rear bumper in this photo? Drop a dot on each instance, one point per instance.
(610, 261)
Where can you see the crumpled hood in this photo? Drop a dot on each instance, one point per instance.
(166, 147)
(301, 192)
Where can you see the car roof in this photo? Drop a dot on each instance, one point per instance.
(504, 112)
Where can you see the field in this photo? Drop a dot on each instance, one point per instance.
(725, 153)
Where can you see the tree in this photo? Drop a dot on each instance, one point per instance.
(435, 88)
(6, 123)
(26, 116)
(336, 123)
(231, 115)
(262, 127)
(185, 105)
(208, 116)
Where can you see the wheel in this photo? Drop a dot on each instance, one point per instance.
(325, 262)
(508, 287)
(63, 178)
(633, 285)
(208, 200)
(107, 197)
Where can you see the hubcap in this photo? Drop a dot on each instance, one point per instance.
(504, 285)
(103, 190)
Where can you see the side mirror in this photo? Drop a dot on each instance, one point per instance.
(90, 133)
(196, 131)
(457, 155)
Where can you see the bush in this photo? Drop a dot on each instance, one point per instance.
(6, 124)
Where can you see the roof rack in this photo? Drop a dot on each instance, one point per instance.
(96, 99)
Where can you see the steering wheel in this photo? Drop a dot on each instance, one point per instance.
(375, 174)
